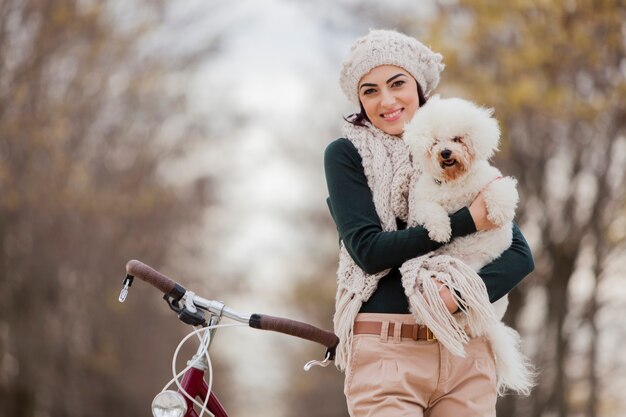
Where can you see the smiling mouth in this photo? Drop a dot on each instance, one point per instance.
(447, 163)
(393, 115)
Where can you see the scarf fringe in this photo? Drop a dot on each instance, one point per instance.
(422, 278)
(347, 307)
(514, 370)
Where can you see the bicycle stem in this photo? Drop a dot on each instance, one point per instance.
(219, 309)
(216, 310)
(199, 360)
(213, 321)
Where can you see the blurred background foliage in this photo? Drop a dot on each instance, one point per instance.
(108, 152)
(83, 113)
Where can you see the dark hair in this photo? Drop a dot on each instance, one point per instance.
(357, 119)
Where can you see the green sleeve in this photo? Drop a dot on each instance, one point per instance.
(504, 273)
(352, 207)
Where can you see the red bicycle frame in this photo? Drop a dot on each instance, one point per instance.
(194, 384)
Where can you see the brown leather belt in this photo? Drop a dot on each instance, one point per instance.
(408, 331)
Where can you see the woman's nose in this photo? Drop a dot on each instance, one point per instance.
(388, 99)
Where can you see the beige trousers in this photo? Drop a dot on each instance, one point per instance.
(392, 377)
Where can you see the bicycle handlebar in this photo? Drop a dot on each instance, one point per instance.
(294, 328)
(163, 283)
(153, 277)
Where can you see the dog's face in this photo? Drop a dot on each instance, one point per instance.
(446, 136)
(449, 158)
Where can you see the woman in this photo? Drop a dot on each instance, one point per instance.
(393, 366)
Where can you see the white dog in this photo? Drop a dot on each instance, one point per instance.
(451, 141)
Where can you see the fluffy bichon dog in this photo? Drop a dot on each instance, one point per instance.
(451, 141)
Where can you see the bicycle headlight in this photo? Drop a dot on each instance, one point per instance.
(169, 404)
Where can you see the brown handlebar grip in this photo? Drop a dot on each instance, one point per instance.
(294, 328)
(155, 278)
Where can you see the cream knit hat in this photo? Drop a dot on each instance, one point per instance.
(388, 47)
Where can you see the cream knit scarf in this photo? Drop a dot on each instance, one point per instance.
(390, 175)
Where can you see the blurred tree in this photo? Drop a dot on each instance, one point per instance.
(84, 129)
(554, 72)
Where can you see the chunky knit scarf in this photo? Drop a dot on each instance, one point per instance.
(390, 175)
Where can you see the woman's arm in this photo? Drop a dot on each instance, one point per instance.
(504, 273)
(352, 207)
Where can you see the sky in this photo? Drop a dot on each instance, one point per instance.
(271, 74)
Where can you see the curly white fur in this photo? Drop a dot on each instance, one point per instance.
(451, 141)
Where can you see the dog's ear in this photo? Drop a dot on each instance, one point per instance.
(477, 124)
(486, 132)
(418, 134)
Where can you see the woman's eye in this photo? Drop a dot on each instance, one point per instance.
(369, 91)
(397, 83)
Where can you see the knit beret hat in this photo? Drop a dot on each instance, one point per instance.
(388, 47)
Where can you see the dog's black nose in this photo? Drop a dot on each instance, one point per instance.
(446, 153)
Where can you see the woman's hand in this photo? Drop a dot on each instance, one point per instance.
(478, 210)
(446, 296)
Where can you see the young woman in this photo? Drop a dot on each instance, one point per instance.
(393, 366)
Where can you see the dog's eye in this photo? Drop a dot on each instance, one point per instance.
(457, 139)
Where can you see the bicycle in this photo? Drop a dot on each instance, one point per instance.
(205, 315)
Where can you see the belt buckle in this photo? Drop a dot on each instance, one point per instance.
(430, 336)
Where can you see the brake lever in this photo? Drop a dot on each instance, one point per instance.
(327, 360)
(172, 304)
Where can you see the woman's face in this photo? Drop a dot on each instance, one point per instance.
(389, 97)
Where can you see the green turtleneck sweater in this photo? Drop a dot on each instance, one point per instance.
(352, 207)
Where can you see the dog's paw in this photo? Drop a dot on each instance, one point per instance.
(435, 219)
(499, 217)
(440, 233)
(501, 199)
